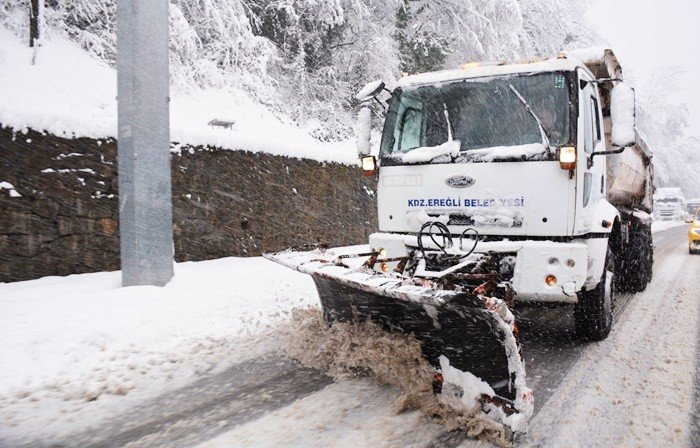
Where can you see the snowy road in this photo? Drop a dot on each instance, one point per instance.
(634, 389)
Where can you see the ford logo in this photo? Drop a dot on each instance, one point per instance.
(460, 181)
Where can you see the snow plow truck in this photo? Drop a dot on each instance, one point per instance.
(498, 184)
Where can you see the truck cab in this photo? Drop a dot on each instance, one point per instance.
(515, 158)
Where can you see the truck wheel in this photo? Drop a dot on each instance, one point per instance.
(649, 265)
(636, 261)
(593, 313)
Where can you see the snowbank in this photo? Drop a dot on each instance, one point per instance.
(68, 93)
(350, 413)
(81, 340)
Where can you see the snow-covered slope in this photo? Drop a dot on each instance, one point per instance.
(69, 93)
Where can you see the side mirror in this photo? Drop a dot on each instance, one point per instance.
(622, 114)
(363, 130)
(369, 91)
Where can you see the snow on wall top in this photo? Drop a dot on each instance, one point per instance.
(68, 93)
(548, 65)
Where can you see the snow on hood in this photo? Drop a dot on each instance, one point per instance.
(427, 153)
(502, 153)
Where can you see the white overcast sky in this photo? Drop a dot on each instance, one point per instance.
(648, 35)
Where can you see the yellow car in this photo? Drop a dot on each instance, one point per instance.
(694, 234)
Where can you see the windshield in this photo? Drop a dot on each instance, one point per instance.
(481, 113)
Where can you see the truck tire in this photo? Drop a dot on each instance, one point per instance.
(636, 261)
(593, 312)
(649, 265)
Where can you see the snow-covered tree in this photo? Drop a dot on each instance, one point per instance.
(420, 50)
(552, 26)
(663, 121)
(306, 58)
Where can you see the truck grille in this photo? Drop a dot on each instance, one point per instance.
(460, 219)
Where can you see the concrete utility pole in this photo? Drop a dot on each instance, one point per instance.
(145, 202)
(35, 10)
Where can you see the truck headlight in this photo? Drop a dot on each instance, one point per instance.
(567, 157)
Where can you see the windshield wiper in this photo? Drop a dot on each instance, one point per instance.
(446, 112)
(543, 131)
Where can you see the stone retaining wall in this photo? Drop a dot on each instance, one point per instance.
(225, 203)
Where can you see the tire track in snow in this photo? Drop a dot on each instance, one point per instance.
(203, 409)
(635, 388)
(550, 346)
(695, 414)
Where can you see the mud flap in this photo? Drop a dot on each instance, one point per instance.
(469, 330)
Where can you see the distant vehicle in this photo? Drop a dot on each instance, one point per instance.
(692, 205)
(669, 204)
(694, 234)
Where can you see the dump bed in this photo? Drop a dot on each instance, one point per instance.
(630, 174)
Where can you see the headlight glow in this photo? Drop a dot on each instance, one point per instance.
(567, 157)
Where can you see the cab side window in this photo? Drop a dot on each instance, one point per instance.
(595, 122)
(588, 120)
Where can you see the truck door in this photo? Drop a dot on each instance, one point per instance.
(590, 182)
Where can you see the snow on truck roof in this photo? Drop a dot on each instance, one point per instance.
(586, 58)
